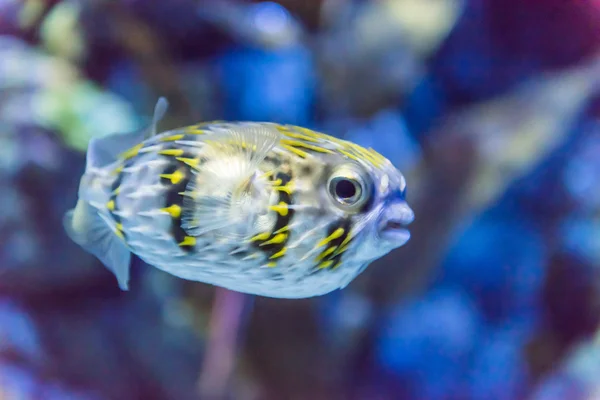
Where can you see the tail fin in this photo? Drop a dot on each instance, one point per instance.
(85, 227)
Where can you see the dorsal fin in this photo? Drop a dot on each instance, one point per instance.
(160, 109)
(105, 150)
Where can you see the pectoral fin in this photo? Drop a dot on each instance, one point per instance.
(227, 182)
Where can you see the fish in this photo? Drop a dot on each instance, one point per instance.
(260, 208)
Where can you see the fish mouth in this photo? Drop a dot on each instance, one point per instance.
(394, 231)
(393, 227)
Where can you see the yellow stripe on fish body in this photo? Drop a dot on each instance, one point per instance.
(188, 241)
(279, 254)
(286, 188)
(281, 209)
(192, 162)
(132, 152)
(194, 130)
(298, 152)
(340, 250)
(174, 210)
(277, 239)
(171, 152)
(118, 170)
(326, 253)
(260, 237)
(308, 146)
(119, 230)
(335, 235)
(172, 138)
(299, 136)
(175, 177)
(325, 264)
(284, 229)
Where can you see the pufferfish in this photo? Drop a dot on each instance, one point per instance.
(255, 207)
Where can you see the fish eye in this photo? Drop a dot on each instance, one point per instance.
(348, 189)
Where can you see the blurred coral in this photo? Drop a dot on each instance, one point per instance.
(491, 108)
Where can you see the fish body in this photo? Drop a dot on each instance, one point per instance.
(260, 208)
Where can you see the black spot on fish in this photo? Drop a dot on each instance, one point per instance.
(114, 196)
(282, 221)
(306, 170)
(174, 197)
(346, 225)
(273, 160)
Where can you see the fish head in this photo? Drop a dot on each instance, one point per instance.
(357, 210)
(371, 196)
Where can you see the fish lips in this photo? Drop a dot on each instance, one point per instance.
(393, 223)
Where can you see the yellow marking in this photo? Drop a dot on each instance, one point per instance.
(297, 143)
(268, 174)
(337, 265)
(378, 156)
(281, 208)
(308, 132)
(119, 231)
(326, 253)
(284, 229)
(346, 240)
(261, 236)
(171, 152)
(299, 136)
(272, 264)
(188, 241)
(118, 170)
(349, 155)
(325, 264)
(110, 205)
(357, 153)
(348, 149)
(279, 238)
(341, 249)
(192, 162)
(287, 188)
(175, 177)
(173, 210)
(117, 190)
(172, 138)
(277, 182)
(280, 253)
(195, 130)
(335, 235)
(368, 156)
(132, 152)
(296, 151)
(282, 128)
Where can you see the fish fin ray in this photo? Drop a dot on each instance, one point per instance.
(223, 199)
(160, 109)
(105, 150)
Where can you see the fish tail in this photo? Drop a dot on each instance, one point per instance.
(86, 227)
